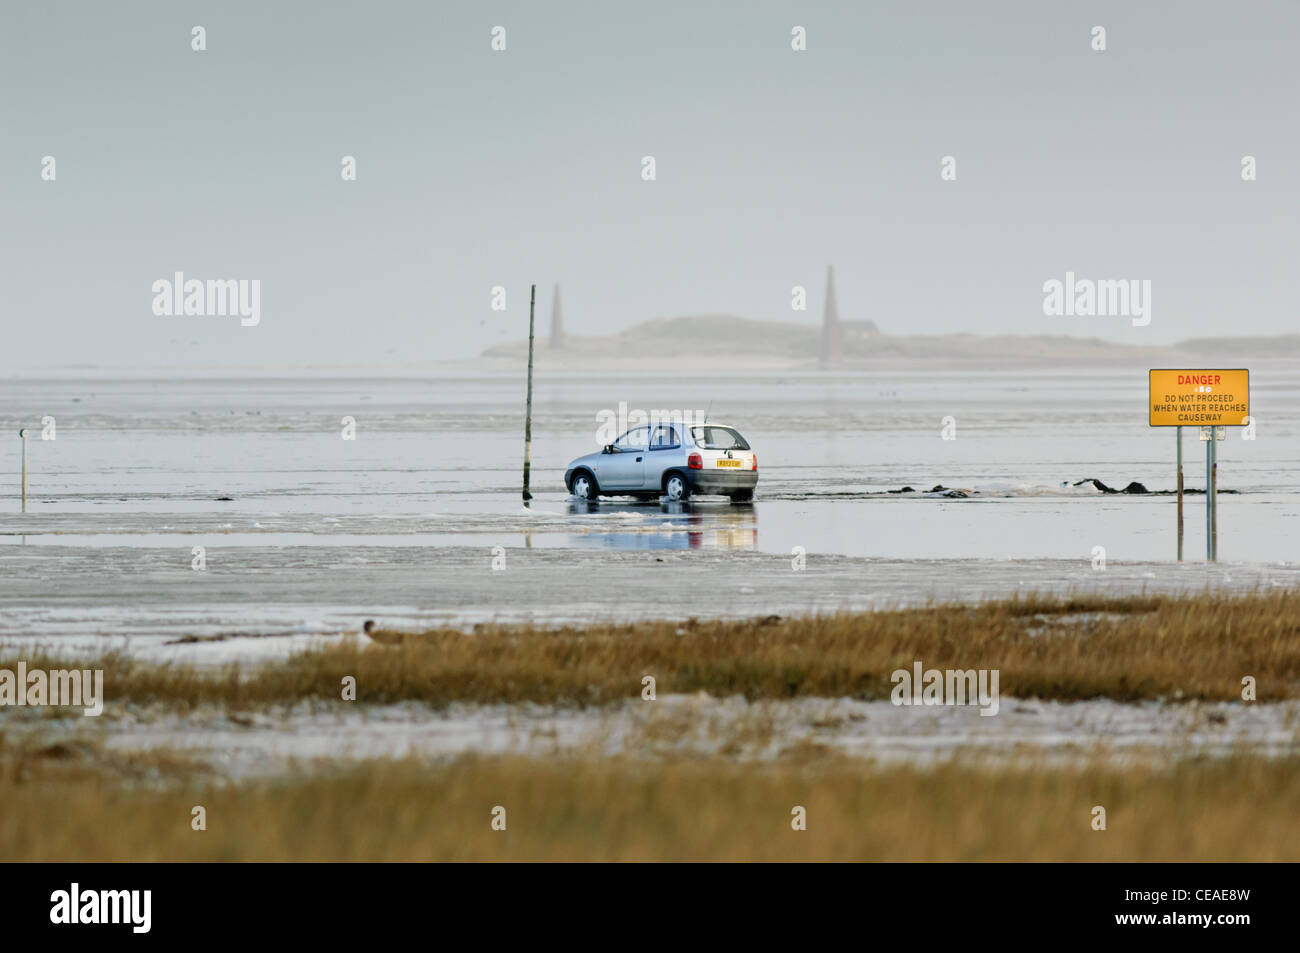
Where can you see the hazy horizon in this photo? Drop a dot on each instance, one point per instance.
(478, 169)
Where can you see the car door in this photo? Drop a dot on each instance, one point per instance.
(665, 450)
(624, 469)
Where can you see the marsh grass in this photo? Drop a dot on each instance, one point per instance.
(704, 810)
(1127, 649)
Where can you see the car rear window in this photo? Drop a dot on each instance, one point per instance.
(718, 438)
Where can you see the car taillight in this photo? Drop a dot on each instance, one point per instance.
(755, 466)
(695, 461)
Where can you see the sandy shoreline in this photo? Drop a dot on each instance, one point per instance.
(270, 601)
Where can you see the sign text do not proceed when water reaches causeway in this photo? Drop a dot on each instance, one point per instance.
(1198, 398)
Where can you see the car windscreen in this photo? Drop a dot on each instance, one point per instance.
(718, 438)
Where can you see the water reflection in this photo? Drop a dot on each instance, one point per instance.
(670, 525)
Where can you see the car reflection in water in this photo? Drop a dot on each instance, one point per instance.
(670, 525)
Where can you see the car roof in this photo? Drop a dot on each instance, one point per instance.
(693, 423)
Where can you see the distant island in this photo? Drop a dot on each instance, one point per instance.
(702, 339)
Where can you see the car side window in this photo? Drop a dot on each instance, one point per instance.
(633, 440)
(664, 437)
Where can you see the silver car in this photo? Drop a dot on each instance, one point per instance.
(672, 459)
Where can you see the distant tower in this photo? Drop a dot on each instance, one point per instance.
(557, 320)
(832, 334)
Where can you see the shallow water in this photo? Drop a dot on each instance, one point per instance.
(305, 531)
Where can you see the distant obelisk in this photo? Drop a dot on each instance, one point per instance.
(832, 334)
(557, 320)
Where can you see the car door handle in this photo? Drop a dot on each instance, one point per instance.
(638, 459)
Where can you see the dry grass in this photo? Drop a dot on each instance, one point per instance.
(73, 801)
(1074, 648)
(558, 810)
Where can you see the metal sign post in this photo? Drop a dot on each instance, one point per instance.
(1211, 436)
(1219, 434)
(1207, 434)
(1179, 431)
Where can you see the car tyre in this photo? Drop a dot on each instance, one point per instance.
(676, 488)
(583, 486)
(743, 496)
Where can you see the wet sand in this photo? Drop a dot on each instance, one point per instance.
(264, 602)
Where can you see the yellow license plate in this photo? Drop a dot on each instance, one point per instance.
(728, 463)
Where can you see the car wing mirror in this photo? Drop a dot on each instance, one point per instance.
(609, 448)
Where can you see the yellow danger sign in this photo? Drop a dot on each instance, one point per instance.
(1198, 398)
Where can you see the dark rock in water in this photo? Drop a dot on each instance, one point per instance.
(906, 489)
(952, 494)
(1133, 487)
(223, 499)
(1096, 483)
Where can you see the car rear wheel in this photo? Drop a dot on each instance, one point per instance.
(584, 486)
(676, 488)
(742, 496)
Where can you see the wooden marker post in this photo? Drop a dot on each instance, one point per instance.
(528, 413)
(23, 433)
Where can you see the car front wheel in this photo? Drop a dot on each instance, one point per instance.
(584, 488)
(676, 488)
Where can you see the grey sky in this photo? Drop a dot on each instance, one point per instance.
(478, 168)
